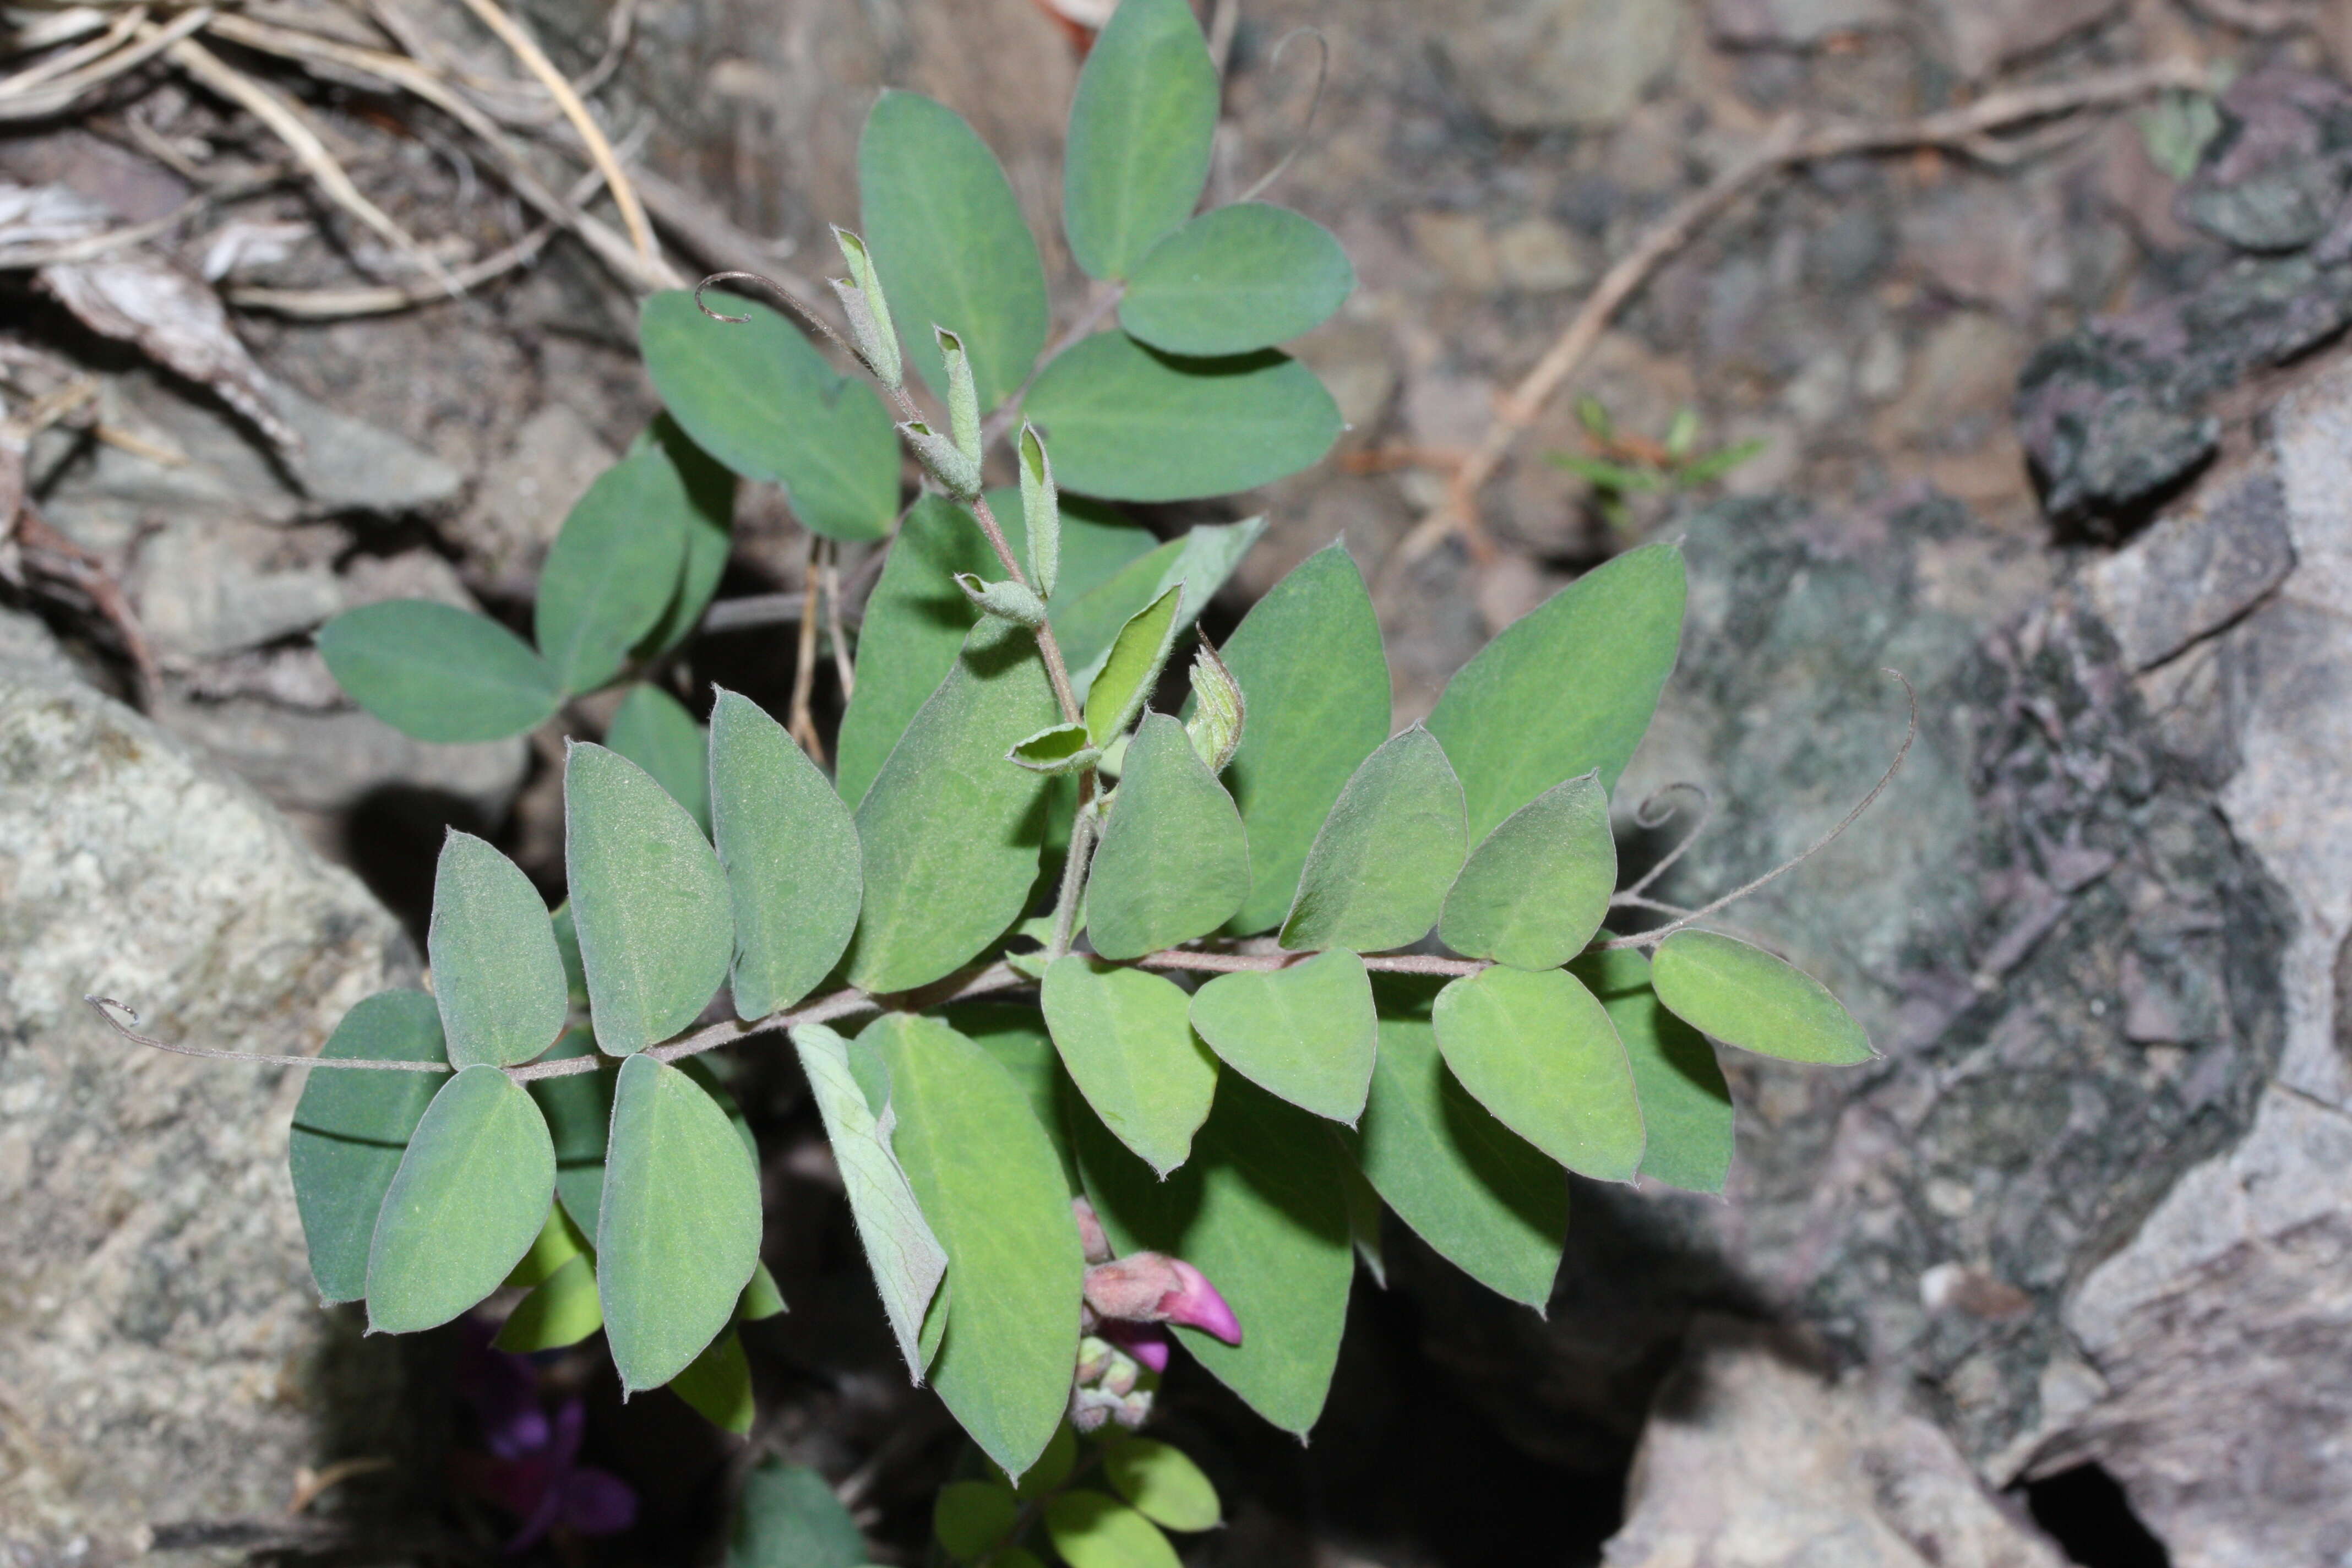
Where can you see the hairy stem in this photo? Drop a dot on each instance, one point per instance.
(1074, 870)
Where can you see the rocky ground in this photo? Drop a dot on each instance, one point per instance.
(2058, 430)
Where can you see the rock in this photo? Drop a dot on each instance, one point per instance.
(167, 1360)
(2222, 1334)
(1988, 242)
(1752, 1458)
(310, 761)
(1543, 65)
(2198, 568)
(2115, 412)
(2276, 175)
(347, 465)
(525, 496)
(1984, 35)
(205, 586)
(1457, 247)
(1960, 384)
(1786, 23)
(1539, 257)
(29, 647)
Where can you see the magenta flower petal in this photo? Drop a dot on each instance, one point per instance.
(1148, 1343)
(1197, 1303)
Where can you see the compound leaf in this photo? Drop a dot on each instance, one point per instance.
(561, 1309)
(969, 1517)
(1538, 887)
(950, 831)
(1686, 1105)
(1567, 689)
(469, 1200)
(614, 569)
(1306, 1032)
(1163, 1483)
(1244, 277)
(989, 1184)
(1746, 997)
(1130, 423)
(1377, 874)
(1131, 670)
(1308, 661)
(496, 972)
(1017, 1038)
(717, 1385)
(653, 729)
(437, 672)
(1127, 1038)
(1481, 1196)
(709, 516)
(648, 901)
(760, 399)
(1540, 1053)
(350, 1129)
(679, 1234)
(948, 236)
(1174, 862)
(579, 1112)
(789, 849)
(788, 1517)
(1199, 563)
(1091, 1531)
(1258, 1209)
(905, 1257)
(1141, 129)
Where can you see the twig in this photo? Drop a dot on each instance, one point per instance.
(329, 304)
(107, 1006)
(1194, 962)
(842, 668)
(1314, 102)
(91, 246)
(1910, 734)
(72, 60)
(1099, 305)
(592, 136)
(302, 140)
(1786, 145)
(55, 555)
(1656, 812)
(803, 725)
(56, 97)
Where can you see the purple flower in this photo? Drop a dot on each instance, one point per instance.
(1147, 1342)
(531, 1468)
(1152, 1287)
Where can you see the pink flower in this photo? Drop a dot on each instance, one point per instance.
(1152, 1287)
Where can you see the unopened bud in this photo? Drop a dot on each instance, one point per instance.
(1091, 1238)
(957, 473)
(1040, 509)
(963, 396)
(1094, 1359)
(868, 311)
(1010, 600)
(1215, 727)
(1134, 1409)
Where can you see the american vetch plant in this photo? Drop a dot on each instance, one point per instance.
(1153, 1012)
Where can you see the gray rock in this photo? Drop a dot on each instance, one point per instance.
(2222, 1335)
(311, 760)
(167, 1360)
(1544, 64)
(348, 465)
(28, 646)
(2276, 175)
(1752, 1458)
(2198, 568)
(209, 586)
(525, 496)
(1984, 35)
(1795, 22)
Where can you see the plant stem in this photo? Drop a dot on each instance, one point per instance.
(1055, 670)
(1074, 870)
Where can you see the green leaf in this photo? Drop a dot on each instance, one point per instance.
(1746, 997)
(1308, 659)
(947, 232)
(951, 834)
(1217, 710)
(1480, 1195)
(1686, 1105)
(1199, 563)
(1131, 670)
(561, 1311)
(567, 948)
(761, 399)
(989, 1184)
(1053, 1467)
(1163, 1483)
(558, 1243)
(648, 899)
(1091, 1531)
(1258, 1209)
(1041, 510)
(1539, 886)
(708, 518)
(1055, 749)
(679, 1234)
(789, 1517)
(717, 1385)
(763, 1299)
(1540, 1053)
(349, 1128)
(1244, 276)
(969, 1517)
(579, 1110)
(466, 1203)
(1377, 874)
(653, 729)
(1127, 1038)
(790, 852)
(496, 972)
(1174, 862)
(1141, 129)
(437, 672)
(614, 569)
(1567, 689)
(1306, 1032)
(905, 1257)
(1130, 423)
(1367, 1220)
(1017, 1038)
